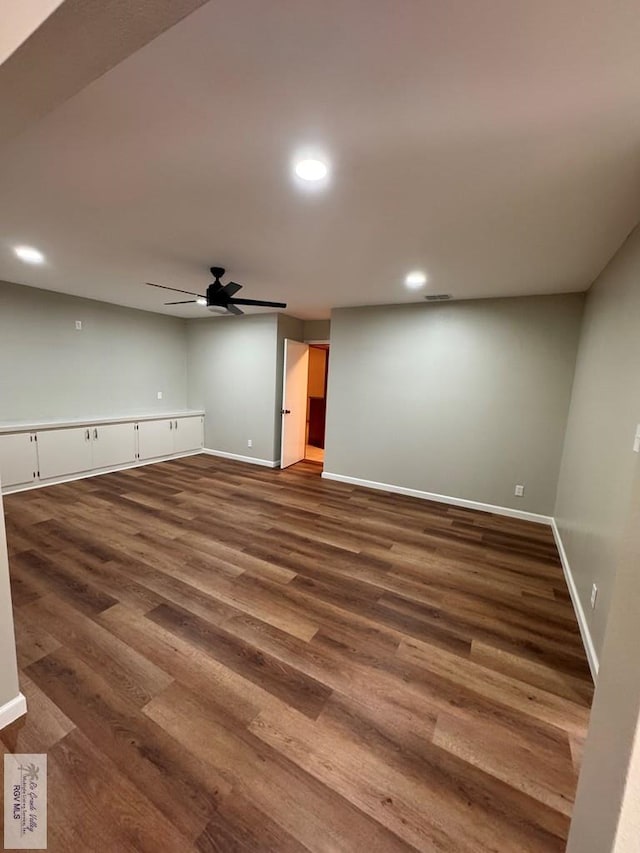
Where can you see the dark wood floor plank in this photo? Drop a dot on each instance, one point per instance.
(298, 690)
(136, 676)
(310, 811)
(219, 657)
(540, 768)
(47, 574)
(41, 728)
(239, 826)
(220, 686)
(414, 754)
(83, 786)
(173, 779)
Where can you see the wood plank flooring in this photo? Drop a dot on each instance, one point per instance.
(222, 657)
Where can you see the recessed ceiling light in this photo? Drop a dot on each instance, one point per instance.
(29, 255)
(311, 169)
(415, 279)
(201, 300)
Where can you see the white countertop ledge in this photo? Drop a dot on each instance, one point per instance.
(35, 426)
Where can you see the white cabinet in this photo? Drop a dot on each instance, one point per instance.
(163, 438)
(188, 434)
(155, 438)
(77, 449)
(42, 452)
(18, 459)
(113, 444)
(64, 451)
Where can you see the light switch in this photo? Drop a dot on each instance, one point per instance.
(636, 441)
(159, 395)
(78, 325)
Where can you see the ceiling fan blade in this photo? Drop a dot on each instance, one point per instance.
(182, 302)
(233, 309)
(231, 288)
(258, 302)
(175, 289)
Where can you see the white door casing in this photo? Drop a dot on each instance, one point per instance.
(294, 402)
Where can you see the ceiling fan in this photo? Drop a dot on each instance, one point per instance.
(219, 295)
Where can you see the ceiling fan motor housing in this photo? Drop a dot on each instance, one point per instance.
(216, 294)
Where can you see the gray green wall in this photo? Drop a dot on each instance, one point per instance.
(598, 461)
(115, 365)
(232, 376)
(235, 367)
(463, 399)
(316, 330)
(606, 815)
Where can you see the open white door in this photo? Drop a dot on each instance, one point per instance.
(294, 402)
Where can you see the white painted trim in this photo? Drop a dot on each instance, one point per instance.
(445, 499)
(12, 710)
(266, 463)
(96, 472)
(585, 633)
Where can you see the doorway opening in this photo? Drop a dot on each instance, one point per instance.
(304, 402)
(316, 402)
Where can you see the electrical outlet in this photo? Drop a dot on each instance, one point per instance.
(159, 395)
(78, 325)
(594, 596)
(249, 442)
(519, 492)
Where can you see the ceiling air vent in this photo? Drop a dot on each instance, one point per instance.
(437, 297)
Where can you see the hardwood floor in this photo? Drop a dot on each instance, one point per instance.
(314, 454)
(222, 657)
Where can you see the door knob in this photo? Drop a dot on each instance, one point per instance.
(285, 411)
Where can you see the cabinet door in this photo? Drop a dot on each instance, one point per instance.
(64, 451)
(113, 444)
(187, 434)
(18, 459)
(155, 438)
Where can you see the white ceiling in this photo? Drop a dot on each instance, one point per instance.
(495, 145)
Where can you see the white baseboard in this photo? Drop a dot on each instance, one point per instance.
(11, 710)
(445, 499)
(54, 481)
(266, 463)
(585, 633)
